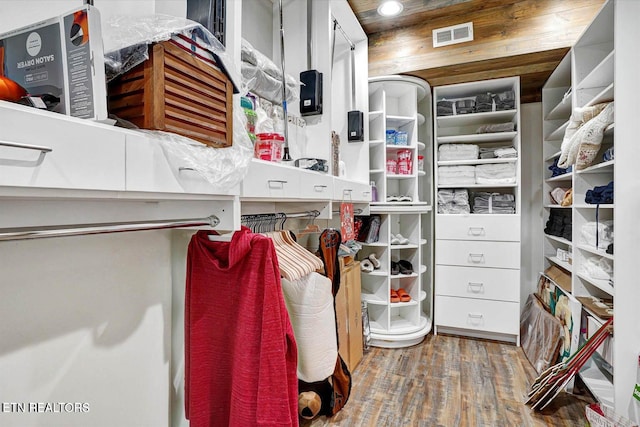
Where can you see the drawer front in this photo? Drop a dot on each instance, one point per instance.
(149, 169)
(314, 185)
(478, 254)
(346, 190)
(268, 180)
(478, 227)
(84, 154)
(472, 282)
(480, 315)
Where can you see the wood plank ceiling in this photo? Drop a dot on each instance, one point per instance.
(511, 37)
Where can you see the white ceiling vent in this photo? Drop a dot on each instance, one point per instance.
(452, 35)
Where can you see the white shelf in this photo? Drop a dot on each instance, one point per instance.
(603, 285)
(374, 244)
(475, 118)
(587, 206)
(475, 162)
(478, 137)
(564, 177)
(372, 298)
(375, 114)
(400, 147)
(421, 119)
(597, 383)
(560, 111)
(595, 251)
(421, 146)
(399, 208)
(407, 246)
(397, 176)
(479, 186)
(557, 207)
(603, 167)
(559, 239)
(399, 121)
(605, 94)
(376, 171)
(557, 261)
(382, 273)
(375, 142)
(557, 134)
(600, 76)
(553, 156)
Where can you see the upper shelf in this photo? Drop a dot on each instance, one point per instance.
(399, 121)
(479, 137)
(475, 118)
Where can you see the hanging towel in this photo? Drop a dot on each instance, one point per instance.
(240, 350)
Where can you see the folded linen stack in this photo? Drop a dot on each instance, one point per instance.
(458, 152)
(494, 203)
(453, 201)
(444, 108)
(600, 194)
(456, 175)
(497, 127)
(505, 152)
(597, 234)
(496, 173)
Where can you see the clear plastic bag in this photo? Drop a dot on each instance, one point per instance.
(223, 168)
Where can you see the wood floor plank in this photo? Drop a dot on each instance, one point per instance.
(450, 382)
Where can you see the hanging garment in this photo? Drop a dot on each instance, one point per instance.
(310, 305)
(240, 351)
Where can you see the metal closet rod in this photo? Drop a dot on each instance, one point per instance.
(306, 214)
(210, 221)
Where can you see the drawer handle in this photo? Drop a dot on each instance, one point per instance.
(366, 193)
(475, 315)
(319, 187)
(476, 258)
(41, 148)
(476, 287)
(475, 319)
(276, 181)
(184, 168)
(476, 231)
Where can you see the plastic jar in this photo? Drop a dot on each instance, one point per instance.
(392, 166)
(421, 163)
(404, 155)
(404, 167)
(268, 146)
(390, 137)
(401, 138)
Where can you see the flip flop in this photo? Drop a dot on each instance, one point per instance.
(405, 267)
(394, 268)
(405, 199)
(394, 240)
(394, 296)
(401, 239)
(374, 261)
(404, 296)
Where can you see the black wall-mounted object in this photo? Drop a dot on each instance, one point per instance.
(310, 93)
(355, 126)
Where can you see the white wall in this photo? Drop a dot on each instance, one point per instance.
(531, 188)
(87, 319)
(18, 13)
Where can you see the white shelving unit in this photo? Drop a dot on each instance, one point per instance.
(400, 103)
(595, 71)
(477, 256)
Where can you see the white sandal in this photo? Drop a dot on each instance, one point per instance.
(366, 266)
(374, 261)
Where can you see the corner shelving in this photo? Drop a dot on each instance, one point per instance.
(398, 104)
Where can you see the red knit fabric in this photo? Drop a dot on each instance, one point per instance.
(240, 351)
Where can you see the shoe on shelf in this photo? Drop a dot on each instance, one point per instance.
(392, 198)
(403, 295)
(374, 261)
(405, 199)
(405, 267)
(394, 240)
(401, 239)
(394, 268)
(394, 297)
(366, 266)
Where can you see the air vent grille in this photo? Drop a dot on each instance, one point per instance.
(451, 35)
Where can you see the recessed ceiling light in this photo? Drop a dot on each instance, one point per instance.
(390, 8)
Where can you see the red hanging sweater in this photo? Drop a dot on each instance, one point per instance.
(240, 351)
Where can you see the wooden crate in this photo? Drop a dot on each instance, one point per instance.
(176, 92)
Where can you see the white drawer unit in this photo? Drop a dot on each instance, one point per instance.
(346, 190)
(315, 185)
(479, 227)
(478, 254)
(271, 180)
(149, 169)
(50, 150)
(500, 317)
(482, 283)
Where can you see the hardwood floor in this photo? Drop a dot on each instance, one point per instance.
(449, 381)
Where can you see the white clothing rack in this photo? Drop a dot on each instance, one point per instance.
(87, 229)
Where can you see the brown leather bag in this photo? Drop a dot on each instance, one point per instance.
(341, 382)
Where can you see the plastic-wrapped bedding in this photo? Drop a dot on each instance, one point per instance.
(264, 78)
(310, 305)
(541, 334)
